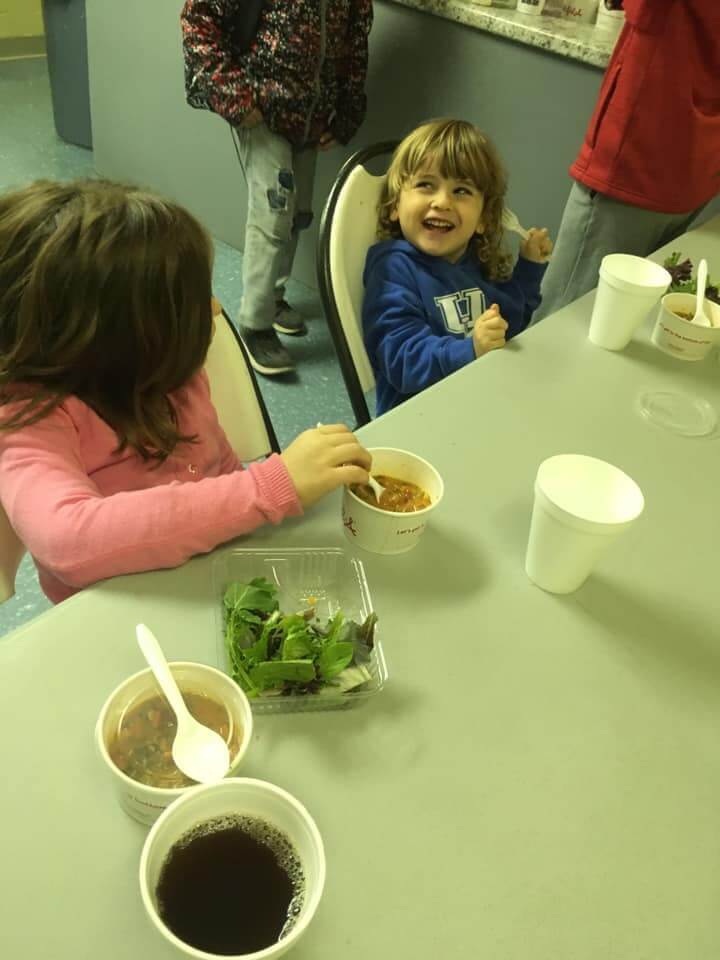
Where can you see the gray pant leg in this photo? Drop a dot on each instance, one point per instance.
(267, 162)
(594, 225)
(304, 163)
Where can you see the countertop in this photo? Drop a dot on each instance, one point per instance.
(577, 41)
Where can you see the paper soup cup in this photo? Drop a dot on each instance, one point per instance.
(244, 797)
(142, 802)
(381, 531)
(681, 338)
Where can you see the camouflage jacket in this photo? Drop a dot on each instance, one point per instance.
(305, 69)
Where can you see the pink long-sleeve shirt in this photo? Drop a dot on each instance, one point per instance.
(86, 512)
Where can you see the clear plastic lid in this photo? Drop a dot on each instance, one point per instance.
(681, 413)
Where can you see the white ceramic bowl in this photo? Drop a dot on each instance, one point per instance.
(381, 531)
(146, 803)
(681, 338)
(254, 798)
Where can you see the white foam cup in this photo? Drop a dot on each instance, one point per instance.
(581, 506)
(628, 289)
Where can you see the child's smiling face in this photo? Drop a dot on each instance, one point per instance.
(439, 215)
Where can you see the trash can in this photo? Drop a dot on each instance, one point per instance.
(66, 39)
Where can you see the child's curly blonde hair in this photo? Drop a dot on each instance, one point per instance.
(462, 152)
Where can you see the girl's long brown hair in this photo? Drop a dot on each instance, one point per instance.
(105, 294)
(461, 152)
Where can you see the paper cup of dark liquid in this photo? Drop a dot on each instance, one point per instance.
(233, 869)
(385, 531)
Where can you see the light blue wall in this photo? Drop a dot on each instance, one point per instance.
(534, 104)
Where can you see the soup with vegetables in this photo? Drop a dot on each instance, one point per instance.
(399, 496)
(142, 748)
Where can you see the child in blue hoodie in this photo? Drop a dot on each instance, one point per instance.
(439, 290)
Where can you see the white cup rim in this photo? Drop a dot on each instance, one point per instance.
(593, 528)
(227, 786)
(162, 793)
(612, 272)
(587, 523)
(394, 513)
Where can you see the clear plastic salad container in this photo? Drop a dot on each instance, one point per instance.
(325, 577)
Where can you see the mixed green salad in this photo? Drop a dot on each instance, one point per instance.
(271, 652)
(683, 280)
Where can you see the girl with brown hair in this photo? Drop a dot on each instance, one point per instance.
(112, 459)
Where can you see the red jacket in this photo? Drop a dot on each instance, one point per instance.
(654, 137)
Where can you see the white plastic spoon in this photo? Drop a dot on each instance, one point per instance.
(700, 319)
(197, 751)
(377, 488)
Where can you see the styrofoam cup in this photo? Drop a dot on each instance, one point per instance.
(245, 797)
(681, 338)
(629, 287)
(382, 531)
(581, 505)
(140, 801)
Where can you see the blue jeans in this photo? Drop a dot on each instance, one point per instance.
(280, 181)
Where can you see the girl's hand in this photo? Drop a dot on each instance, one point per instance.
(537, 247)
(323, 459)
(489, 331)
(327, 140)
(252, 119)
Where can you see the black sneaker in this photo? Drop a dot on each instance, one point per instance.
(289, 321)
(267, 354)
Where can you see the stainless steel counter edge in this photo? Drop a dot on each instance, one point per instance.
(577, 41)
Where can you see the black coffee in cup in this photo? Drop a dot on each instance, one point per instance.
(231, 885)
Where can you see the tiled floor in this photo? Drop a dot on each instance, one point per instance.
(30, 149)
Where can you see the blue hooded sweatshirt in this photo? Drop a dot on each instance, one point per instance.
(419, 310)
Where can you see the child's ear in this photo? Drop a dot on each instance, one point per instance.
(394, 215)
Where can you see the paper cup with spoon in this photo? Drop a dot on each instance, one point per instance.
(387, 529)
(688, 325)
(197, 751)
(135, 733)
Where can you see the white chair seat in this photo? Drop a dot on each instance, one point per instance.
(347, 229)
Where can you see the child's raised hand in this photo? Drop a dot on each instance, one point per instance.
(322, 459)
(538, 245)
(489, 331)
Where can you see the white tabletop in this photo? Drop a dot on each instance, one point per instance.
(540, 780)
